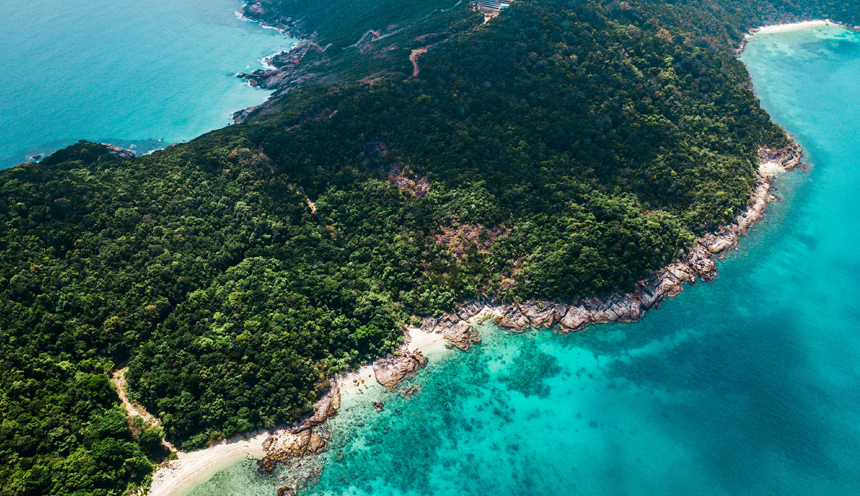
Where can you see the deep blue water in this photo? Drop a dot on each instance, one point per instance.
(746, 386)
(130, 73)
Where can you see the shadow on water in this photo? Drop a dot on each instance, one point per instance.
(749, 403)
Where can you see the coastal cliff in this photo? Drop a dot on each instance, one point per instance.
(282, 73)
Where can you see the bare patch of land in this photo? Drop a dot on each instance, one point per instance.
(413, 57)
(459, 238)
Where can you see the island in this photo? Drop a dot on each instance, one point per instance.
(547, 164)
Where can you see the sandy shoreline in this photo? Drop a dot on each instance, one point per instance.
(358, 381)
(794, 26)
(190, 469)
(422, 340)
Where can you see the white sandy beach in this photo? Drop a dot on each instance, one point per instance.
(771, 169)
(781, 28)
(356, 382)
(421, 340)
(182, 475)
(361, 380)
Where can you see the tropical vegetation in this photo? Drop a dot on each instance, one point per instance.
(563, 149)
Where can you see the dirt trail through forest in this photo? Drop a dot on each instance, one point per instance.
(413, 57)
(133, 409)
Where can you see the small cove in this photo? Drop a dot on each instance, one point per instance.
(140, 74)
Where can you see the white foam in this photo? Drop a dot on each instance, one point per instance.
(266, 61)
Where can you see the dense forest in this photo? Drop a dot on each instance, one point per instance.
(562, 150)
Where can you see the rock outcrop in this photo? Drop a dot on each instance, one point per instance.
(539, 314)
(787, 157)
(119, 152)
(260, 11)
(299, 439)
(469, 310)
(283, 73)
(462, 335)
(574, 319)
(389, 371)
(324, 409)
(284, 445)
(512, 319)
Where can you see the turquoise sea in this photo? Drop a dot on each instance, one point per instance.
(144, 73)
(746, 386)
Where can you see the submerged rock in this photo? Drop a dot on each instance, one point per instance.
(286, 491)
(411, 391)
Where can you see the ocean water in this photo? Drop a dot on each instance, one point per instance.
(145, 73)
(749, 385)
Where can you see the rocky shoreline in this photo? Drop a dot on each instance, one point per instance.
(293, 444)
(649, 293)
(459, 330)
(285, 74)
(260, 11)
